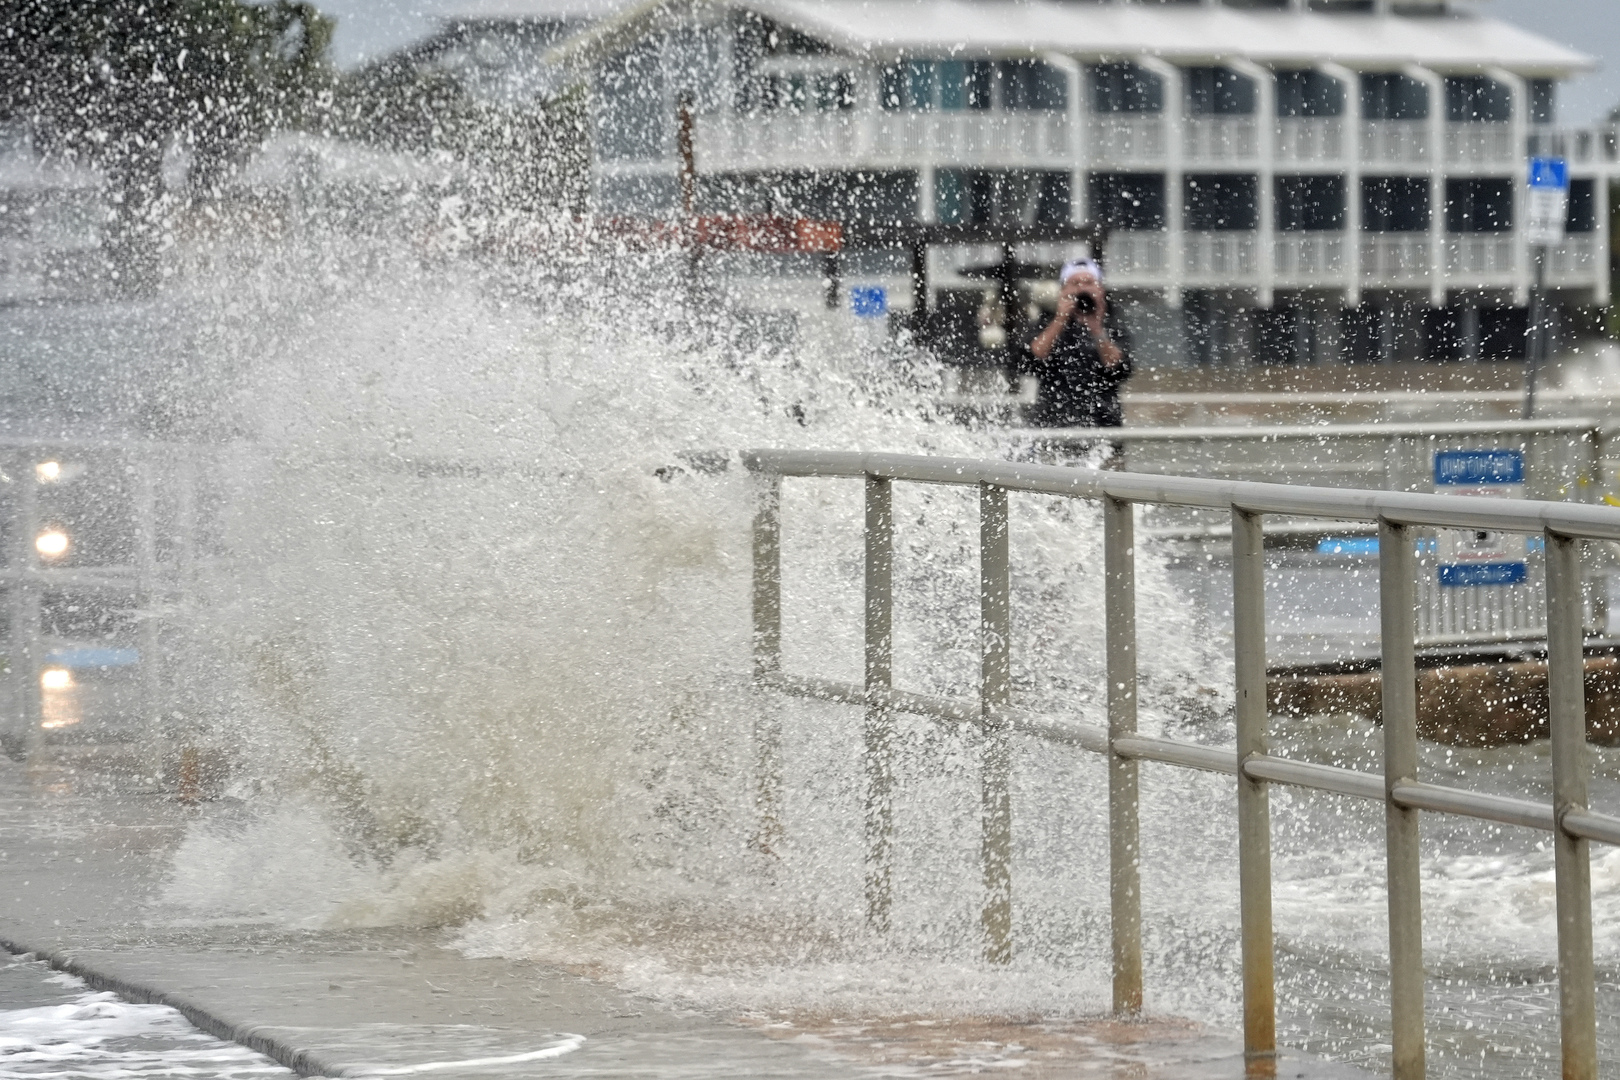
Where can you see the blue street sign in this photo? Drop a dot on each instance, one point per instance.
(869, 301)
(1470, 557)
(1471, 468)
(1501, 573)
(1549, 173)
(1347, 545)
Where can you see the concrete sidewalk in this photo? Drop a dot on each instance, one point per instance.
(83, 871)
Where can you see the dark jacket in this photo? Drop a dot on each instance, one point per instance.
(1076, 390)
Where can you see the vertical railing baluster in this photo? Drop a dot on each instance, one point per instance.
(767, 649)
(1566, 662)
(1396, 604)
(878, 729)
(1124, 852)
(995, 692)
(1254, 815)
(151, 601)
(23, 603)
(767, 575)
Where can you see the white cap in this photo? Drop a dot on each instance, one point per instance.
(1076, 266)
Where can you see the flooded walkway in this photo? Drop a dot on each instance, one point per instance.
(85, 869)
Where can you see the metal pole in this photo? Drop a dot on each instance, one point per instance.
(1254, 816)
(767, 660)
(995, 691)
(1124, 879)
(1534, 352)
(151, 600)
(1577, 1010)
(686, 150)
(878, 728)
(1396, 603)
(26, 652)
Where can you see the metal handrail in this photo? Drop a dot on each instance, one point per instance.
(1396, 514)
(1594, 429)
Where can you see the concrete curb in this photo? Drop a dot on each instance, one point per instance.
(253, 1036)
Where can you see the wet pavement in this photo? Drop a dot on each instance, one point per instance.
(84, 868)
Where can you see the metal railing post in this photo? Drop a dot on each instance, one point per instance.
(1577, 1011)
(878, 729)
(26, 652)
(1396, 603)
(767, 648)
(1124, 852)
(151, 601)
(1254, 815)
(995, 692)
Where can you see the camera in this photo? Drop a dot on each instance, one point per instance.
(1085, 303)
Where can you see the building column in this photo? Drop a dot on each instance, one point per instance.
(1265, 176)
(1520, 129)
(1175, 264)
(1075, 75)
(1437, 180)
(1600, 234)
(1351, 81)
(1468, 327)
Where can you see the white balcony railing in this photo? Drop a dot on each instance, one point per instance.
(1146, 259)
(1313, 138)
(1219, 257)
(1482, 144)
(1309, 255)
(1481, 255)
(1576, 257)
(1395, 258)
(1137, 257)
(813, 139)
(1126, 139)
(1395, 142)
(1220, 138)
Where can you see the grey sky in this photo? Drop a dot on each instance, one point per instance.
(368, 28)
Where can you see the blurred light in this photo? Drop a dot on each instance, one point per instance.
(56, 678)
(51, 543)
(47, 471)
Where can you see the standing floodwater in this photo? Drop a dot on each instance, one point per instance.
(53, 1025)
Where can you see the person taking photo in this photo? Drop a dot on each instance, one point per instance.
(1082, 356)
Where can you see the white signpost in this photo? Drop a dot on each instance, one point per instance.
(1546, 206)
(1548, 202)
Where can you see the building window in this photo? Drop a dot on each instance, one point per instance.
(1543, 101)
(1001, 197)
(1395, 203)
(1479, 204)
(1391, 96)
(827, 91)
(1472, 99)
(1582, 215)
(630, 119)
(1125, 88)
(1309, 93)
(1130, 201)
(1221, 201)
(1309, 203)
(1030, 84)
(937, 84)
(1218, 91)
(964, 84)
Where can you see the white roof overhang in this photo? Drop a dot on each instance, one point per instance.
(1455, 41)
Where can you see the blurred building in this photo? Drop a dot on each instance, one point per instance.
(1283, 180)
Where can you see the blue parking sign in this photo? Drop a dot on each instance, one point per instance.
(1549, 172)
(869, 301)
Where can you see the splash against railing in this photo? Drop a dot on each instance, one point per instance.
(1573, 825)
